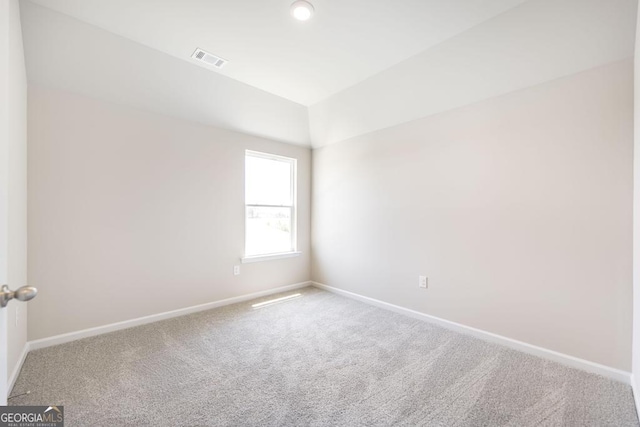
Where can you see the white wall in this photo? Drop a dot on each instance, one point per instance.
(535, 42)
(133, 213)
(636, 226)
(14, 112)
(517, 208)
(68, 54)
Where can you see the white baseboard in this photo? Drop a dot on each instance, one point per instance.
(16, 370)
(85, 333)
(565, 359)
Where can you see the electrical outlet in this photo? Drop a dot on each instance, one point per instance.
(236, 270)
(422, 282)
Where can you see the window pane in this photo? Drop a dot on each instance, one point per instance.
(267, 181)
(268, 230)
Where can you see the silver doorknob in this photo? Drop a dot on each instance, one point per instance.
(24, 293)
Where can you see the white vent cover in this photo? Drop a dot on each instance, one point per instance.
(208, 58)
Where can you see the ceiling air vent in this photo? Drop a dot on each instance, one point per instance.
(209, 59)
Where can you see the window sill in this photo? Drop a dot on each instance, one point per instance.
(260, 258)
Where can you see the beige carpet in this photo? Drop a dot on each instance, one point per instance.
(316, 360)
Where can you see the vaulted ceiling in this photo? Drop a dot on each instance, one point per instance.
(355, 67)
(305, 62)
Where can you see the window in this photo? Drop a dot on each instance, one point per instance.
(270, 205)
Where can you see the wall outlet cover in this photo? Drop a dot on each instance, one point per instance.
(422, 282)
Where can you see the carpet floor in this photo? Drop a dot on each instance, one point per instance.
(316, 360)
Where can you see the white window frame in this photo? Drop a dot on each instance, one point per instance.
(293, 207)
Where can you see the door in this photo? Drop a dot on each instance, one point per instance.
(13, 190)
(4, 187)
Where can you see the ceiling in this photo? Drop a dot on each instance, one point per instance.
(346, 41)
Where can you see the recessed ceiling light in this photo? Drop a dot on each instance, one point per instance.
(301, 10)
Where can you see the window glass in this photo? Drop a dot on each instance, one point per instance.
(269, 204)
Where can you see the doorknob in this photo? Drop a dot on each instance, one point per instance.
(24, 293)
